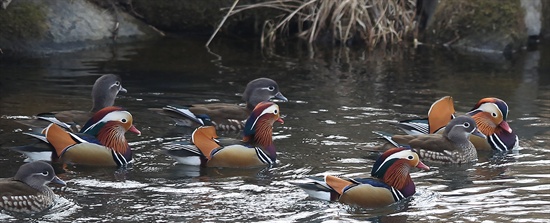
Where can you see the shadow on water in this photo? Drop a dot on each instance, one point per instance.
(338, 96)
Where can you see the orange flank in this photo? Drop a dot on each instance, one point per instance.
(338, 184)
(58, 137)
(203, 137)
(440, 113)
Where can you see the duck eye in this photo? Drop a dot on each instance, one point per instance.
(466, 125)
(494, 114)
(117, 83)
(410, 157)
(271, 88)
(275, 111)
(123, 120)
(45, 173)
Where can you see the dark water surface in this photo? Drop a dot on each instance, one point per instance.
(337, 98)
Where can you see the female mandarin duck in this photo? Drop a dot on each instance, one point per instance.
(453, 146)
(101, 141)
(226, 116)
(256, 148)
(104, 93)
(489, 113)
(27, 191)
(391, 183)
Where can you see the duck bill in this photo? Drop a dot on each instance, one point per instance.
(504, 125)
(58, 181)
(476, 132)
(280, 120)
(422, 166)
(280, 96)
(134, 130)
(123, 90)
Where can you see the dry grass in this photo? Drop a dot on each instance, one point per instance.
(372, 21)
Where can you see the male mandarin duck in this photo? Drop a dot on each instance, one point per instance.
(453, 146)
(27, 191)
(101, 141)
(255, 149)
(225, 116)
(104, 93)
(489, 113)
(391, 182)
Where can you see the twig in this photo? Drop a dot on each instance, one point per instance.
(221, 23)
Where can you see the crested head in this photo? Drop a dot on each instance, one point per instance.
(259, 126)
(488, 117)
(264, 113)
(37, 174)
(394, 156)
(501, 104)
(105, 90)
(261, 89)
(98, 116)
(114, 115)
(393, 168)
(108, 125)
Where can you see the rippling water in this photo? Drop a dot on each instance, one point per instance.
(337, 98)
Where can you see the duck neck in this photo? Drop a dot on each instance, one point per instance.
(101, 101)
(462, 139)
(263, 137)
(398, 177)
(112, 136)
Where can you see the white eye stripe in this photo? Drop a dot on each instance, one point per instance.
(397, 155)
(112, 116)
(116, 84)
(270, 88)
(490, 108)
(273, 109)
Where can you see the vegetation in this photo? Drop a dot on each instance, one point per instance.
(22, 22)
(373, 22)
(460, 18)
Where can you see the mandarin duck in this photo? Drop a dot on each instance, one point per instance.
(255, 149)
(101, 141)
(452, 146)
(27, 191)
(489, 113)
(104, 93)
(225, 116)
(440, 113)
(391, 182)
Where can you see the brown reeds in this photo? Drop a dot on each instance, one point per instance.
(339, 21)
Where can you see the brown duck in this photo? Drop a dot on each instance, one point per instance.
(453, 146)
(225, 116)
(27, 191)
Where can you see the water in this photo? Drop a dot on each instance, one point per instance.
(337, 98)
